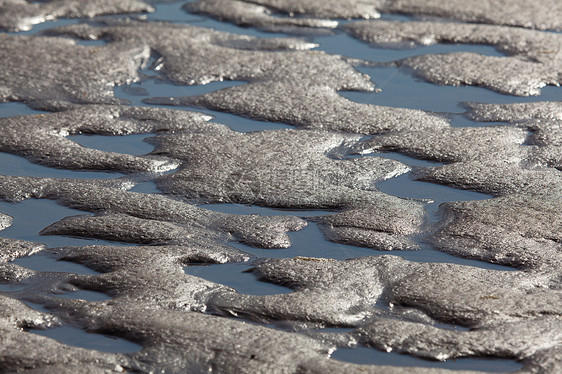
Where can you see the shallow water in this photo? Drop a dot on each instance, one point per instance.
(145, 187)
(35, 29)
(345, 45)
(173, 12)
(46, 262)
(399, 89)
(18, 166)
(83, 339)
(28, 224)
(310, 241)
(18, 290)
(407, 187)
(16, 109)
(130, 144)
(236, 276)
(364, 355)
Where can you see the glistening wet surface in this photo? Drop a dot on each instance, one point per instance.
(399, 89)
(159, 87)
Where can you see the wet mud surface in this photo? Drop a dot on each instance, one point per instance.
(280, 186)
